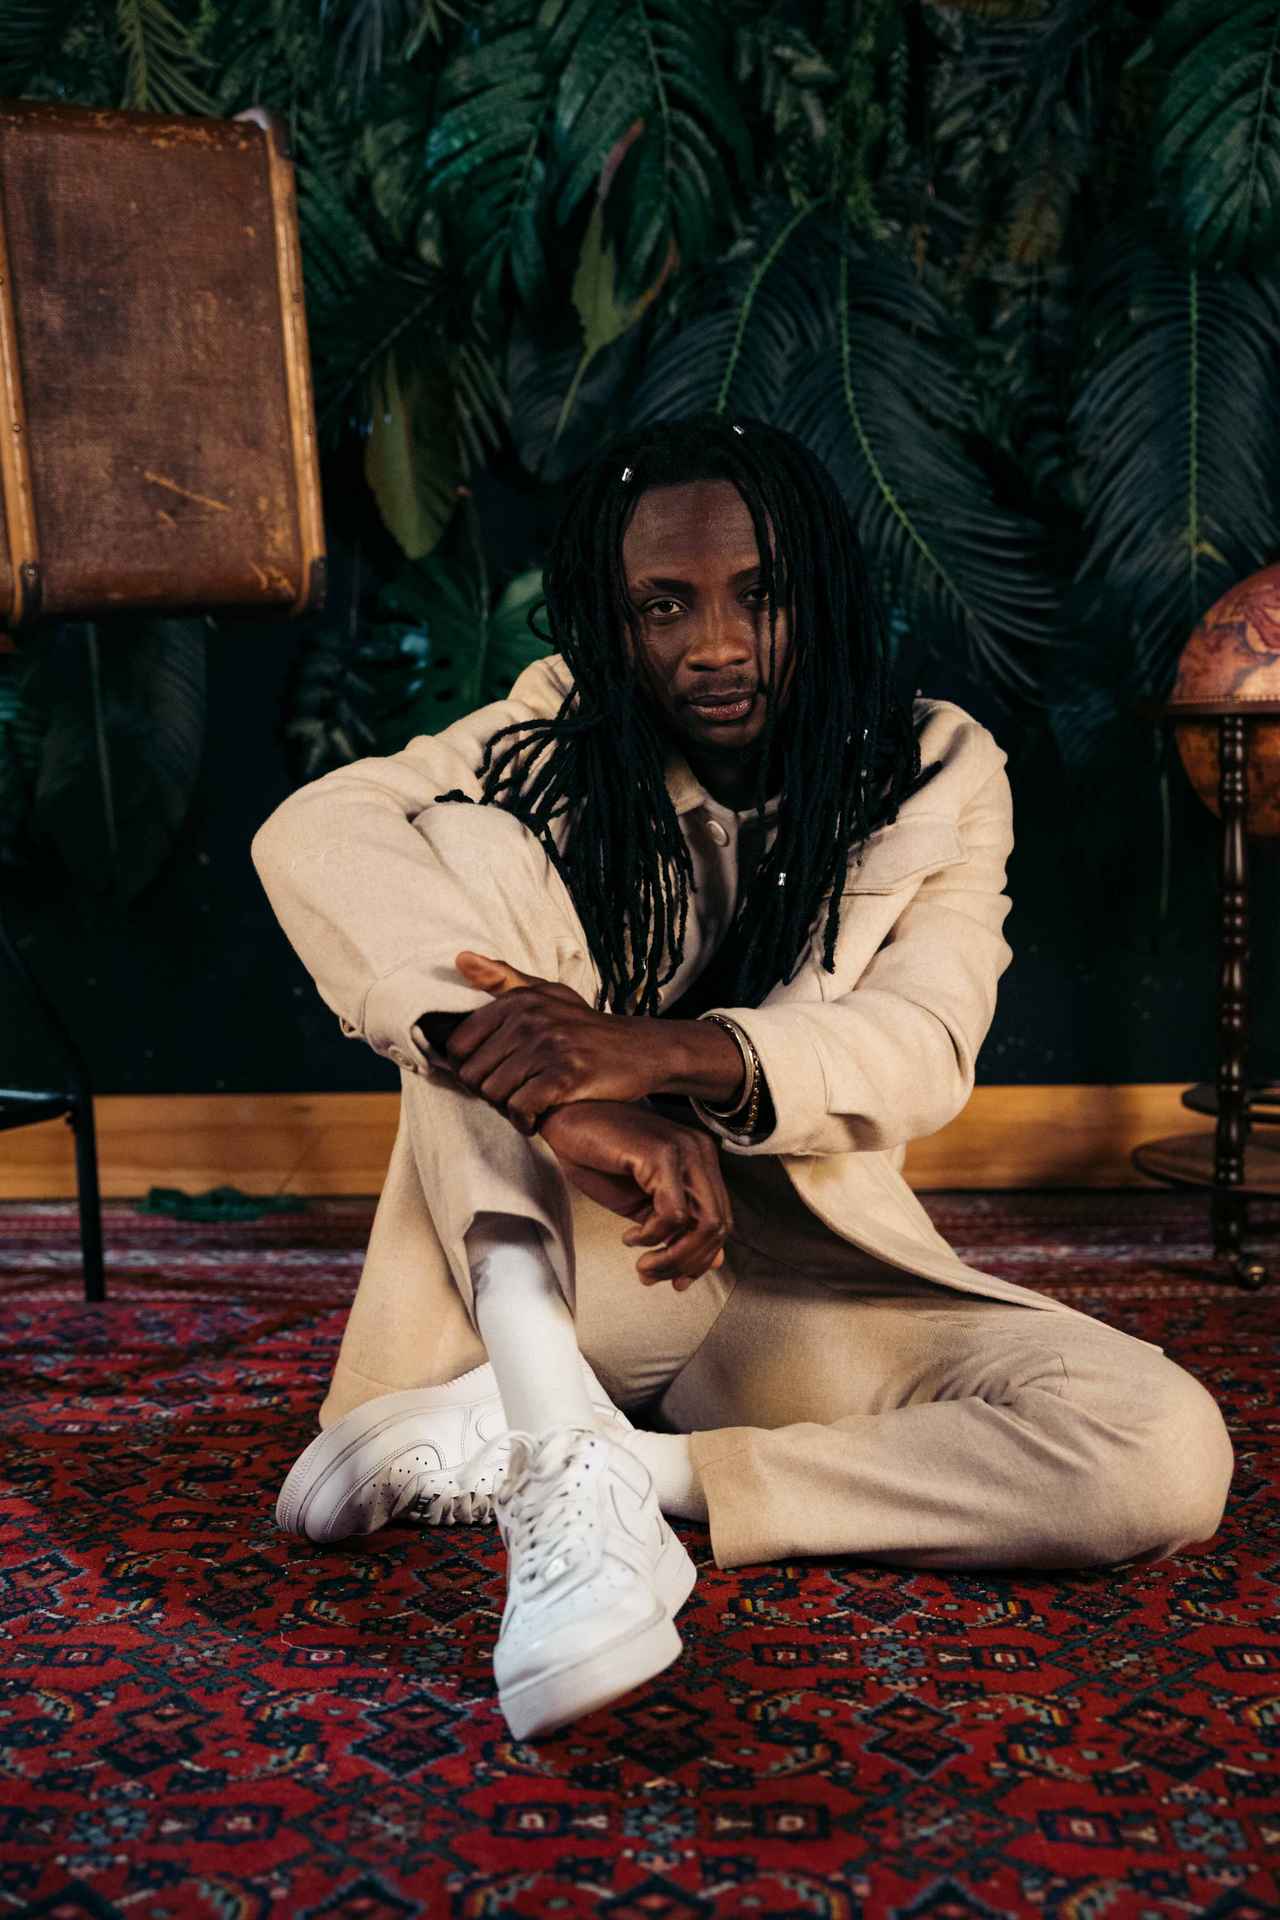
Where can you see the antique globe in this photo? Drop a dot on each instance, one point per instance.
(1231, 661)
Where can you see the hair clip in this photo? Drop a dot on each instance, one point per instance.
(782, 876)
(626, 475)
(735, 426)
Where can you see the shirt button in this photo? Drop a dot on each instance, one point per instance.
(718, 833)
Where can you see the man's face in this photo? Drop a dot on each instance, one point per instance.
(694, 581)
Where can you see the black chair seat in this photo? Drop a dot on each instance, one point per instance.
(22, 1106)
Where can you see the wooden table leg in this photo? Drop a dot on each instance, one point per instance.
(1228, 1204)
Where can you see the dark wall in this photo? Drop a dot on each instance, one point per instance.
(195, 989)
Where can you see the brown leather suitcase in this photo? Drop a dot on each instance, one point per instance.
(158, 447)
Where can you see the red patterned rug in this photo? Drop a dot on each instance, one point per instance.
(199, 1716)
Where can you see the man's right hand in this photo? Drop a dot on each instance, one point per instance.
(664, 1177)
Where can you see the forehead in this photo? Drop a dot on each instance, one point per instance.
(695, 523)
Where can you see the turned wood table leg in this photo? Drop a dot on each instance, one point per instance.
(1228, 1204)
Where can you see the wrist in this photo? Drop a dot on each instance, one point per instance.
(698, 1059)
(563, 1121)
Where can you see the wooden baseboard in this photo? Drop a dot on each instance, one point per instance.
(339, 1143)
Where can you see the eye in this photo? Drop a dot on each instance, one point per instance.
(656, 607)
(760, 594)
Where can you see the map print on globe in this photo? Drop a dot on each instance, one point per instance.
(1233, 657)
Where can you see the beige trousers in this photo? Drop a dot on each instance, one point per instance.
(836, 1404)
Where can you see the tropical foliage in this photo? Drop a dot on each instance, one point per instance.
(1008, 266)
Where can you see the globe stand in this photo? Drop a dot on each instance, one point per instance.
(1228, 1161)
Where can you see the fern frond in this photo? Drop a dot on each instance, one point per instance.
(1218, 127)
(161, 59)
(888, 408)
(1176, 421)
(737, 332)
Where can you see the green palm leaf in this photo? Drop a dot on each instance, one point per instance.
(732, 337)
(32, 34)
(121, 709)
(19, 762)
(563, 395)
(411, 459)
(485, 155)
(888, 407)
(275, 56)
(564, 403)
(471, 652)
(397, 355)
(161, 56)
(433, 651)
(1176, 422)
(664, 65)
(362, 302)
(386, 157)
(375, 34)
(1217, 130)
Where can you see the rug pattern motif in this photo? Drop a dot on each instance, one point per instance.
(199, 1716)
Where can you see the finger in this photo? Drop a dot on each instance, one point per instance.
(689, 1255)
(515, 1051)
(495, 976)
(689, 1221)
(683, 1284)
(475, 1030)
(650, 1232)
(709, 1220)
(537, 1096)
(687, 1251)
(670, 1217)
(478, 1027)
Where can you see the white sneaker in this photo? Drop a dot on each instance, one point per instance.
(594, 1577)
(403, 1456)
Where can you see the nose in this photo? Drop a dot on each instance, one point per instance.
(722, 637)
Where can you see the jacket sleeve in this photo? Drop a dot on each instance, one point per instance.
(351, 879)
(892, 1058)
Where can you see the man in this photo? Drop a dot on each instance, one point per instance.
(676, 949)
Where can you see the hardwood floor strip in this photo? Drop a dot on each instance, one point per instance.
(339, 1143)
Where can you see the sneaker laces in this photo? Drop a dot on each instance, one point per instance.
(548, 1532)
(469, 1499)
(450, 1509)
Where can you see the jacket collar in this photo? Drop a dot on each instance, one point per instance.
(687, 792)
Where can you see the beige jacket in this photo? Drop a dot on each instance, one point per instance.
(858, 1062)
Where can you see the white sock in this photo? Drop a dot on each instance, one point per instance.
(525, 1323)
(675, 1478)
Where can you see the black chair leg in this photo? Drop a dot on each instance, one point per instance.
(81, 1120)
(79, 1109)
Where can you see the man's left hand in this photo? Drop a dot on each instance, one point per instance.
(541, 1045)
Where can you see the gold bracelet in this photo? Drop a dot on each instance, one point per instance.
(754, 1075)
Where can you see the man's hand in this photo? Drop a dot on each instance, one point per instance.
(664, 1177)
(538, 1045)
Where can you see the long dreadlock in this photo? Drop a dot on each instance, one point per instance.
(598, 765)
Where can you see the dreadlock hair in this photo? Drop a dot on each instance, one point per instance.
(599, 764)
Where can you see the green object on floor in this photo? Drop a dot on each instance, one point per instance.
(220, 1203)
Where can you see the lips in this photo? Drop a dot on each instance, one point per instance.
(723, 707)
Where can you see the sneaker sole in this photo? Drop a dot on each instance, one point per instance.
(552, 1700)
(315, 1495)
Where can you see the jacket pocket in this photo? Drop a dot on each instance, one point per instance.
(904, 851)
(895, 862)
